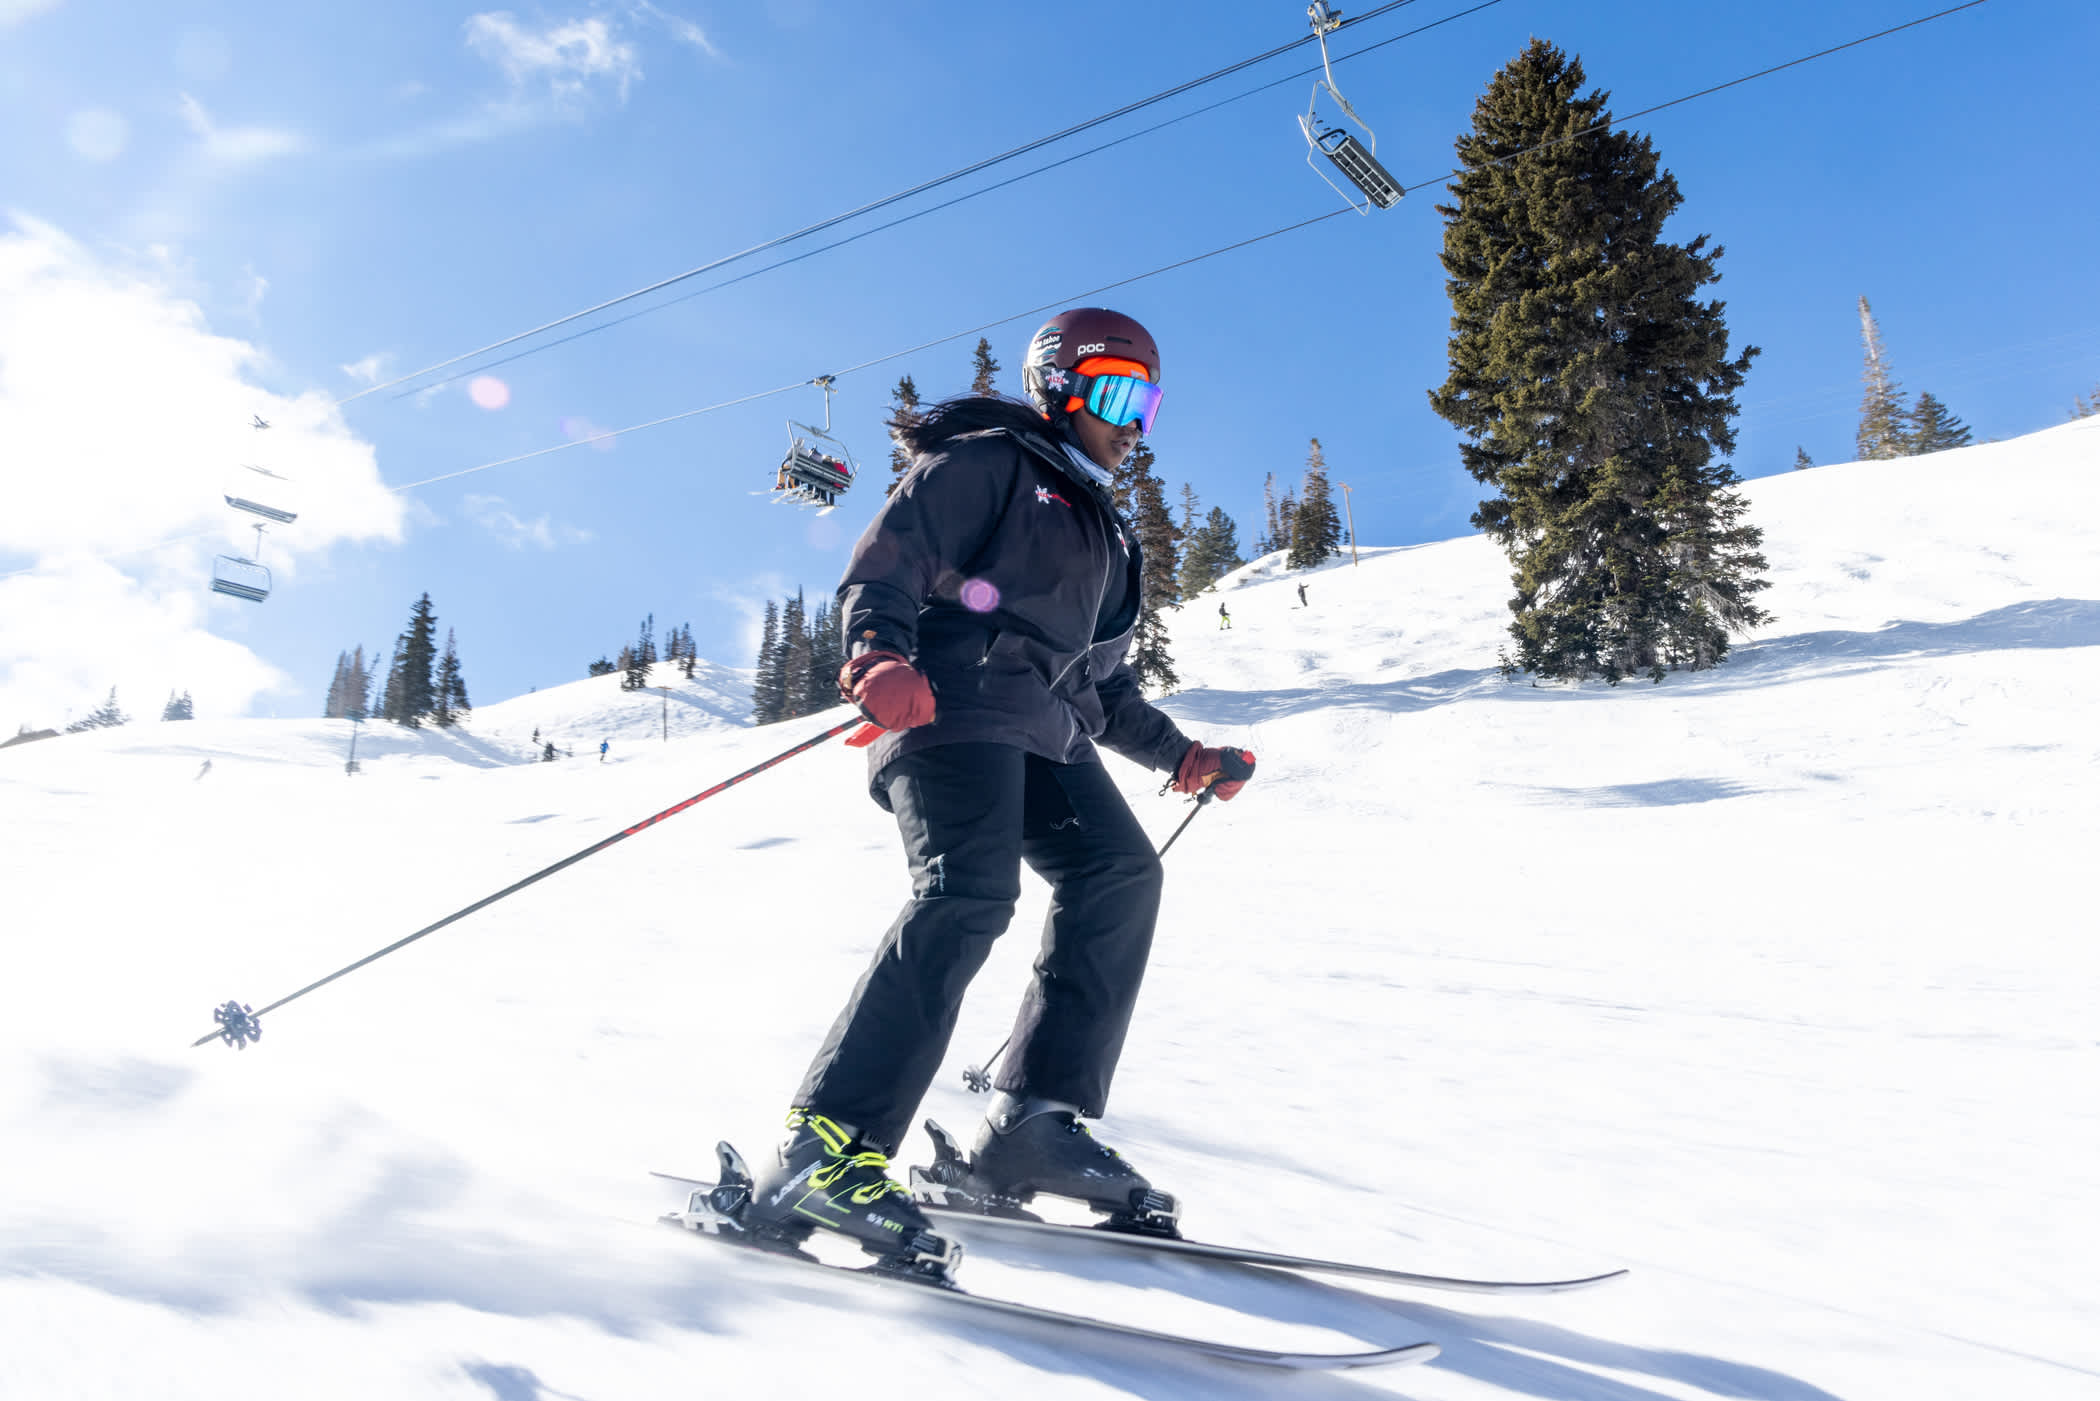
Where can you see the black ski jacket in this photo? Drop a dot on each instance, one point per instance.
(988, 567)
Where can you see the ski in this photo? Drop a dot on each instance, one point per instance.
(969, 1221)
(946, 1189)
(704, 1215)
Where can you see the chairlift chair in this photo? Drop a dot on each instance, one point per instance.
(809, 475)
(1356, 160)
(237, 577)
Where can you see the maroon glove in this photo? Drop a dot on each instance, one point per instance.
(1221, 771)
(888, 689)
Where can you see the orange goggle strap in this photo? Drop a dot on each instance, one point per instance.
(1093, 367)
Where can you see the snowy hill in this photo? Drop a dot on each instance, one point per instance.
(1772, 984)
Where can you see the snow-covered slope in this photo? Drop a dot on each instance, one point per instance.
(1771, 983)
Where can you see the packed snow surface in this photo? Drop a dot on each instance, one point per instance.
(1773, 984)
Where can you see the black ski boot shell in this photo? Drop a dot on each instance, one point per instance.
(1052, 1153)
(818, 1179)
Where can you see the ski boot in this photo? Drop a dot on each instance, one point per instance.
(1027, 1148)
(822, 1177)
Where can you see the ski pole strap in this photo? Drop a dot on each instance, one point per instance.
(238, 1026)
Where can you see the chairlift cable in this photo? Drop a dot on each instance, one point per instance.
(937, 208)
(1215, 252)
(1706, 92)
(870, 207)
(1123, 282)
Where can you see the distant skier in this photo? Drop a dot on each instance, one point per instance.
(548, 757)
(203, 771)
(1301, 597)
(535, 734)
(991, 693)
(1224, 618)
(603, 745)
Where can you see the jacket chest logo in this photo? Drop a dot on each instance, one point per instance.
(1045, 495)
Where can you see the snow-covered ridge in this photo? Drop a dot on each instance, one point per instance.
(1770, 983)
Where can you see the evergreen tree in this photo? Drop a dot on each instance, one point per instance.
(1286, 519)
(1884, 424)
(1142, 498)
(985, 370)
(768, 703)
(2086, 408)
(827, 653)
(178, 707)
(794, 658)
(411, 683)
(1593, 385)
(1316, 527)
(449, 694)
(1272, 525)
(602, 667)
(1934, 429)
(1801, 459)
(106, 716)
(333, 705)
(647, 651)
(391, 705)
(904, 412)
(634, 672)
(688, 654)
(1212, 551)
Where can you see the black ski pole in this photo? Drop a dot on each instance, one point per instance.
(1232, 768)
(238, 1024)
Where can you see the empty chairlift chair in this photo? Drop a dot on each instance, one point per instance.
(247, 578)
(1356, 160)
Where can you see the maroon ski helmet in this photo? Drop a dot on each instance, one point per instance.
(1082, 333)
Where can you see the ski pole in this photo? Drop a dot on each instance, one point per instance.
(238, 1024)
(1232, 768)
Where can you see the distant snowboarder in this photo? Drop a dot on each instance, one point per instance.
(1301, 597)
(203, 771)
(603, 745)
(1224, 618)
(548, 757)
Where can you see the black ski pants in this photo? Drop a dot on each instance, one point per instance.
(970, 814)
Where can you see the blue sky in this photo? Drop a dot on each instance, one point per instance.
(317, 194)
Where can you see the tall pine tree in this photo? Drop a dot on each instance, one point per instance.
(337, 703)
(767, 701)
(411, 682)
(984, 370)
(106, 716)
(179, 707)
(449, 693)
(1272, 522)
(1211, 551)
(1934, 429)
(794, 658)
(1316, 527)
(904, 412)
(1142, 498)
(1884, 423)
(1594, 386)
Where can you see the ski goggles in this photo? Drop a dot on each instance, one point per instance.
(1117, 399)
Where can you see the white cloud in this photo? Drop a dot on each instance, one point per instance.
(494, 515)
(13, 12)
(123, 420)
(232, 146)
(566, 59)
(97, 134)
(369, 370)
(681, 29)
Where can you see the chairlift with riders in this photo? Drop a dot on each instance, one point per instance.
(809, 475)
(246, 578)
(1357, 161)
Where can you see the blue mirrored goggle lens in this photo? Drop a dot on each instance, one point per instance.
(1120, 399)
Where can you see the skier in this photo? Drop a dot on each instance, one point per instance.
(603, 745)
(1301, 597)
(203, 771)
(1224, 618)
(548, 757)
(986, 612)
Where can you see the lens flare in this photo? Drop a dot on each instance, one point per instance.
(980, 595)
(488, 392)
